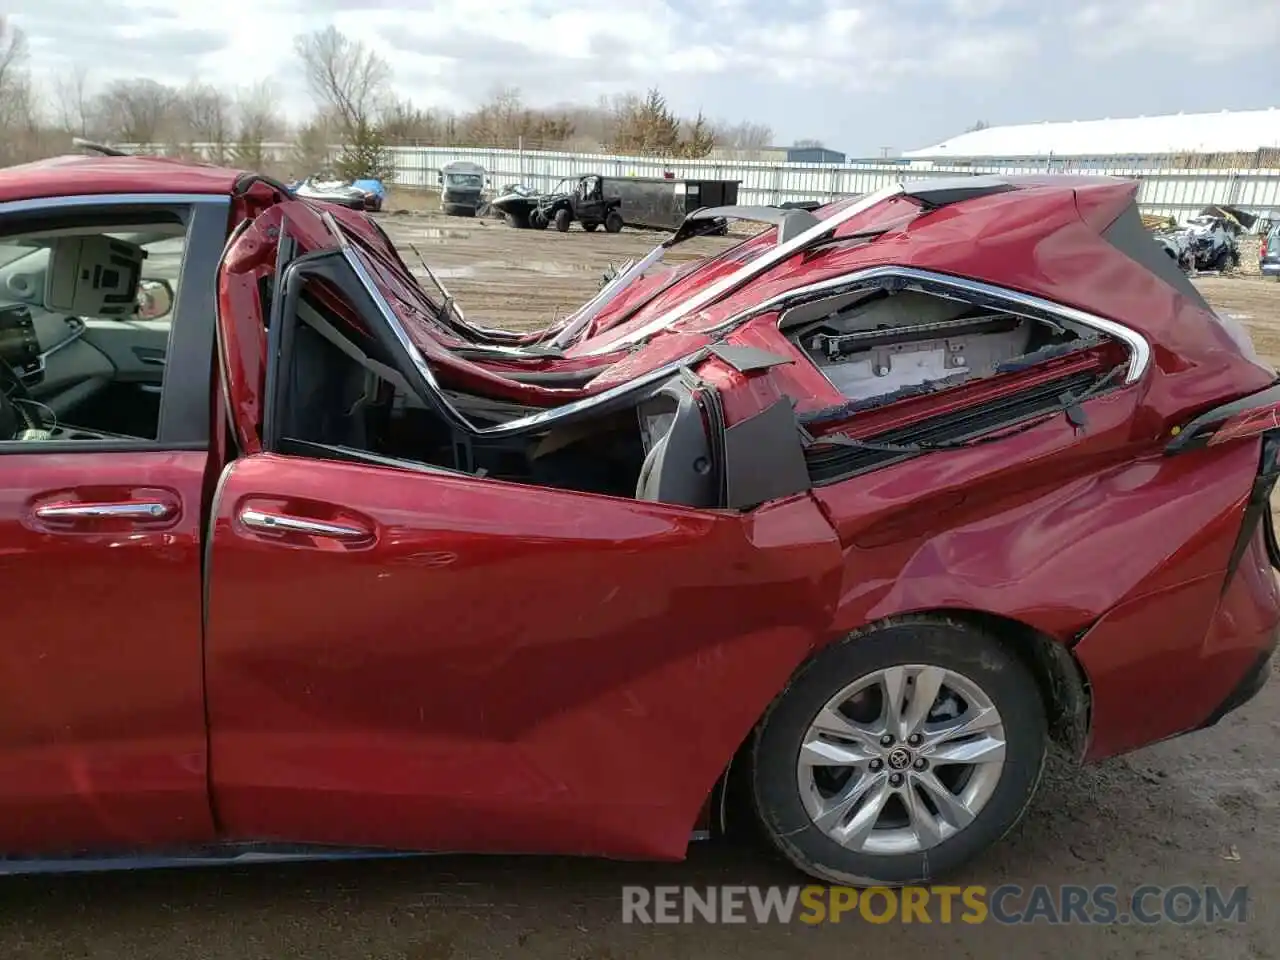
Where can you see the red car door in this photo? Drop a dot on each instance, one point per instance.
(436, 661)
(102, 728)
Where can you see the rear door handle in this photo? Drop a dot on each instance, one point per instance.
(266, 521)
(138, 510)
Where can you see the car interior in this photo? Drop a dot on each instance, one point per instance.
(337, 394)
(85, 317)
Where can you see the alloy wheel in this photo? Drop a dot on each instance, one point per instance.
(901, 760)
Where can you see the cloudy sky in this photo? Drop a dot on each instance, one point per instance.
(860, 75)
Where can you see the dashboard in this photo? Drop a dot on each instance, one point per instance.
(28, 341)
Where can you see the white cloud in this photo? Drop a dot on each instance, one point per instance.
(1190, 29)
(858, 73)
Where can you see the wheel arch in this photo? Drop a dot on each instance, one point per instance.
(1060, 680)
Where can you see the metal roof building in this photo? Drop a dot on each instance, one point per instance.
(1228, 132)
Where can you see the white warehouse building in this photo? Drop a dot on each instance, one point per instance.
(1246, 138)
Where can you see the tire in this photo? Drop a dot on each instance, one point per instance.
(1222, 262)
(537, 221)
(613, 222)
(961, 655)
(563, 219)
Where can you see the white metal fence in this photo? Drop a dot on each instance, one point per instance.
(1165, 191)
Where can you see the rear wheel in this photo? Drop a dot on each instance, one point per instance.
(896, 756)
(613, 222)
(563, 219)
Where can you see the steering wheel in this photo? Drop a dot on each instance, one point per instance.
(18, 409)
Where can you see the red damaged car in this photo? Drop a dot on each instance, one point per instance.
(837, 530)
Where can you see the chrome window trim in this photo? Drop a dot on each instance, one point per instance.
(1137, 345)
(544, 418)
(749, 271)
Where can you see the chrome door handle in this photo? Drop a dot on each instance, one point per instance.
(129, 510)
(283, 523)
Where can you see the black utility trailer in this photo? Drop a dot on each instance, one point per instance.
(662, 204)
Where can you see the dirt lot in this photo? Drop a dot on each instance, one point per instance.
(1201, 810)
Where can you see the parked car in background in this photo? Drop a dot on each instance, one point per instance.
(375, 193)
(829, 535)
(356, 195)
(1269, 253)
(462, 186)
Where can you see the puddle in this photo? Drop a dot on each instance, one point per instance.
(547, 268)
(449, 273)
(554, 268)
(441, 233)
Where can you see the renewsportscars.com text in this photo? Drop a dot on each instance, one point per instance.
(1007, 904)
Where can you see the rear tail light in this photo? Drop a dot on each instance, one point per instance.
(1248, 424)
(1249, 416)
(1264, 247)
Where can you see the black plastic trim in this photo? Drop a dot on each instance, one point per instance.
(839, 463)
(1250, 686)
(186, 393)
(1257, 508)
(764, 458)
(747, 359)
(944, 191)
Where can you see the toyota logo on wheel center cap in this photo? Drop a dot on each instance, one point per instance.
(899, 758)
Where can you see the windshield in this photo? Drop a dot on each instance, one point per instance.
(11, 250)
(470, 180)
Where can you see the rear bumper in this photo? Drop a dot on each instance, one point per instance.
(1181, 657)
(1259, 525)
(1270, 269)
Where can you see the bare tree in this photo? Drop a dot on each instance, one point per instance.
(344, 76)
(21, 137)
(257, 121)
(14, 79)
(205, 113)
(743, 137)
(73, 101)
(137, 111)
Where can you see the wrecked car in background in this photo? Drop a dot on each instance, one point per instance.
(368, 194)
(844, 525)
(1207, 241)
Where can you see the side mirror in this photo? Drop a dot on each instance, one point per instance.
(155, 299)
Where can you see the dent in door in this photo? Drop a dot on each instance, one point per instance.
(511, 668)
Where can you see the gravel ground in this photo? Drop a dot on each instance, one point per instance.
(1204, 809)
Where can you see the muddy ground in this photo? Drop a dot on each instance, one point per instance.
(1201, 810)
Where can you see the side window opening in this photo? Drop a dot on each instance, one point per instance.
(86, 313)
(340, 396)
(895, 352)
